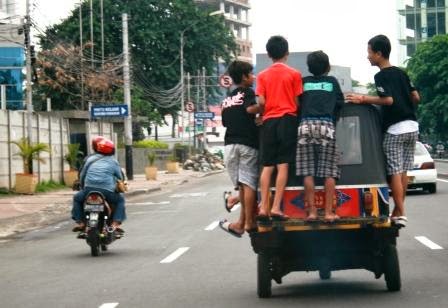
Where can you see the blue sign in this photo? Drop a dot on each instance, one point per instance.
(109, 111)
(204, 115)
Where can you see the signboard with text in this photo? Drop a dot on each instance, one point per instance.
(109, 111)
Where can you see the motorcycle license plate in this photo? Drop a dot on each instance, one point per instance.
(94, 207)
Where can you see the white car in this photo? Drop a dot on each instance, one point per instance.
(424, 173)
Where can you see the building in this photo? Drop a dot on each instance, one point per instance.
(418, 21)
(12, 56)
(297, 60)
(236, 14)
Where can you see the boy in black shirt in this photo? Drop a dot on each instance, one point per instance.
(398, 98)
(241, 144)
(316, 144)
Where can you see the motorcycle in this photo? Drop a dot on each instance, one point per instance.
(99, 232)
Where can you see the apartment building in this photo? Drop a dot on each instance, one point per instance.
(419, 20)
(236, 14)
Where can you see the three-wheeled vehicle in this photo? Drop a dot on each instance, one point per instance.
(363, 237)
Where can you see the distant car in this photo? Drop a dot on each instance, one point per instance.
(424, 173)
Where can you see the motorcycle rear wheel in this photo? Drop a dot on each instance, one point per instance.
(94, 241)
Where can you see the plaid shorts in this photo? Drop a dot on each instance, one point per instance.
(399, 151)
(317, 154)
(242, 164)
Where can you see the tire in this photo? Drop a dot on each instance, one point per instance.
(104, 247)
(432, 188)
(324, 274)
(94, 242)
(391, 268)
(264, 277)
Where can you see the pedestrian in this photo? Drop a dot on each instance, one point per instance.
(239, 111)
(398, 99)
(317, 155)
(278, 88)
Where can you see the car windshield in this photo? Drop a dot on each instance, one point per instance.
(420, 149)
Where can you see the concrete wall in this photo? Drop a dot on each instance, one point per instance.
(140, 160)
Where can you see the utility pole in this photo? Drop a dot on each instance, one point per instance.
(102, 34)
(182, 99)
(29, 92)
(204, 80)
(127, 100)
(81, 55)
(91, 30)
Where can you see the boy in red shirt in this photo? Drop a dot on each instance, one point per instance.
(278, 88)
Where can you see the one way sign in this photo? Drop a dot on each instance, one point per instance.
(109, 111)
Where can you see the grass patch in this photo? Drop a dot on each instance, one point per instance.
(50, 185)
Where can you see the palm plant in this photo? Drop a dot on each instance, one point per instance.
(151, 158)
(30, 151)
(73, 156)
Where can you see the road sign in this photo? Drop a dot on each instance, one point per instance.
(189, 107)
(109, 111)
(225, 81)
(204, 115)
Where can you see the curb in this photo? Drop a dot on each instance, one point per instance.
(142, 191)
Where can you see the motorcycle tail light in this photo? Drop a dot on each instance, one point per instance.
(428, 165)
(368, 202)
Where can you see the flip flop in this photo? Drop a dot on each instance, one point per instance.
(399, 221)
(225, 225)
(262, 218)
(226, 195)
(279, 217)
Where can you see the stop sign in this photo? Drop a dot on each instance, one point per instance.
(225, 81)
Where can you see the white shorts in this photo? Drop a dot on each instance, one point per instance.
(242, 165)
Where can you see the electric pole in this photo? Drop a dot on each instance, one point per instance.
(29, 92)
(127, 100)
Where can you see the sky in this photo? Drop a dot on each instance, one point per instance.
(341, 28)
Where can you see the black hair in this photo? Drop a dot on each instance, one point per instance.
(277, 47)
(237, 69)
(382, 44)
(318, 63)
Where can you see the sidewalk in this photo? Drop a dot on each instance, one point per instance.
(22, 213)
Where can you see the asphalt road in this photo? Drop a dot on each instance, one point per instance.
(50, 268)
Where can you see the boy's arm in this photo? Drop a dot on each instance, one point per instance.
(261, 103)
(368, 99)
(253, 109)
(415, 97)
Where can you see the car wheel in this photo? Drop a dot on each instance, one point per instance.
(432, 188)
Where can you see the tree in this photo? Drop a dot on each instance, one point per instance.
(428, 68)
(155, 27)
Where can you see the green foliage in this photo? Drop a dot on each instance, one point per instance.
(137, 131)
(172, 158)
(29, 152)
(151, 158)
(45, 186)
(428, 68)
(371, 89)
(73, 156)
(152, 144)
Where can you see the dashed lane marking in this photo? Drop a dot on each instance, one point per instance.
(212, 226)
(198, 194)
(440, 180)
(109, 305)
(175, 255)
(149, 203)
(427, 242)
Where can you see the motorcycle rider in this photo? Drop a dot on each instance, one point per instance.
(440, 148)
(103, 170)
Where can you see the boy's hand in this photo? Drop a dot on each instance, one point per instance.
(355, 98)
(259, 121)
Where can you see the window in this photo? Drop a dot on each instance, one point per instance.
(348, 139)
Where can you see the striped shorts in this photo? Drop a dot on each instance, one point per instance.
(399, 151)
(316, 153)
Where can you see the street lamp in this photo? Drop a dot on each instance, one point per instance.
(182, 99)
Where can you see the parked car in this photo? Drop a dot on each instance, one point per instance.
(424, 174)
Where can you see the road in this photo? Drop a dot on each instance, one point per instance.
(50, 268)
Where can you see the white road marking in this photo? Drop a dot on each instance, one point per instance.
(212, 226)
(198, 194)
(175, 255)
(442, 180)
(149, 203)
(109, 305)
(235, 207)
(427, 242)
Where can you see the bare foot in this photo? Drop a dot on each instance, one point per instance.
(312, 215)
(330, 217)
(236, 228)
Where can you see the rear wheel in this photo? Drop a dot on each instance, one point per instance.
(391, 268)
(94, 241)
(324, 274)
(264, 276)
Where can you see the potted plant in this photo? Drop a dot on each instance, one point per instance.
(172, 165)
(26, 182)
(73, 158)
(151, 170)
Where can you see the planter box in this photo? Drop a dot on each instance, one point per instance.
(151, 173)
(172, 167)
(26, 183)
(70, 177)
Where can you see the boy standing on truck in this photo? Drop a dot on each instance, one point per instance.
(317, 155)
(398, 99)
(278, 87)
(241, 145)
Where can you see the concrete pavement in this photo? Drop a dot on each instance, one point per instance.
(22, 213)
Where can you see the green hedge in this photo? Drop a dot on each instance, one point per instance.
(152, 144)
